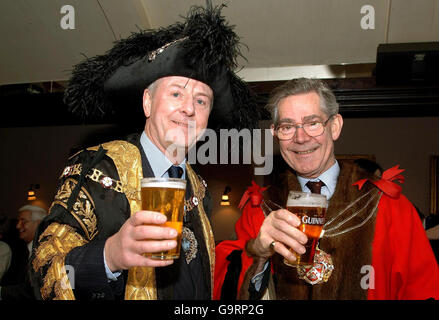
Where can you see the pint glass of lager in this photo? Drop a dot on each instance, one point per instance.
(165, 195)
(310, 208)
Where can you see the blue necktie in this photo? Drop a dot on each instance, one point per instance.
(175, 172)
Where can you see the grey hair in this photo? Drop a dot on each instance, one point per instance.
(37, 213)
(153, 86)
(328, 103)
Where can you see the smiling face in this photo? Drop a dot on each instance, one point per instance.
(177, 112)
(25, 226)
(308, 156)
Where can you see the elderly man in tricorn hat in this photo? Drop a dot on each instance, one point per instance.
(184, 76)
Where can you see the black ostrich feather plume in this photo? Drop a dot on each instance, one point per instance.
(208, 52)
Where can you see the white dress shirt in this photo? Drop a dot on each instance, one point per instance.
(329, 178)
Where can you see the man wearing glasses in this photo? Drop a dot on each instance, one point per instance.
(29, 217)
(373, 246)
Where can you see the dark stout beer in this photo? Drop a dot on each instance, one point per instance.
(311, 210)
(165, 195)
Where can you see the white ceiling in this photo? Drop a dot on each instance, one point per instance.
(282, 36)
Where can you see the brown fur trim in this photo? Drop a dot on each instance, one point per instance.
(349, 251)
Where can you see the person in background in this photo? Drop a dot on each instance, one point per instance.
(29, 217)
(5, 250)
(433, 233)
(370, 166)
(433, 236)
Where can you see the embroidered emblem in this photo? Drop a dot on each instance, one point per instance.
(71, 171)
(320, 271)
(199, 194)
(153, 54)
(83, 208)
(107, 182)
(66, 171)
(189, 244)
(98, 176)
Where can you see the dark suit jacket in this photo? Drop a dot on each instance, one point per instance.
(20, 289)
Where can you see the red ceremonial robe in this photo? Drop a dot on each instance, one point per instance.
(403, 263)
(246, 228)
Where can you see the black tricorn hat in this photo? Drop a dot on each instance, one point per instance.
(203, 47)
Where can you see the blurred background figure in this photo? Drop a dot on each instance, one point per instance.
(370, 166)
(29, 217)
(431, 224)
(5, 250)
(433, 233)
(19, 235)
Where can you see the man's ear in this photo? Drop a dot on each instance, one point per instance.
(336, 126)
(272, 129)
(147, 100)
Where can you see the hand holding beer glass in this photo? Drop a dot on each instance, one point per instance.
(165, 195)
(310, 208)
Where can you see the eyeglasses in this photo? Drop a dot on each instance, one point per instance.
(286, 131)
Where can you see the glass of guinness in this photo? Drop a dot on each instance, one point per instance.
(165, 195)
(310, 208)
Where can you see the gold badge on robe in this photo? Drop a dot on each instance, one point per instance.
(319, 271)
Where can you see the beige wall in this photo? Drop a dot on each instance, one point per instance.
(408, 142)
(238, 177)
(37, 155)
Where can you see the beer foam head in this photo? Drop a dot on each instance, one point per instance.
(163, 183)
(306, 199)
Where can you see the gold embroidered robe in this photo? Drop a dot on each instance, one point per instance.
(68, 260)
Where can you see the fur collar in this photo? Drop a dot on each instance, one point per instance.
(350, 251)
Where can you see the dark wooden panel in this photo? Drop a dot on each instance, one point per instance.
(358, 97)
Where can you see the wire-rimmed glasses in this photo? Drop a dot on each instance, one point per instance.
(286, 131)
